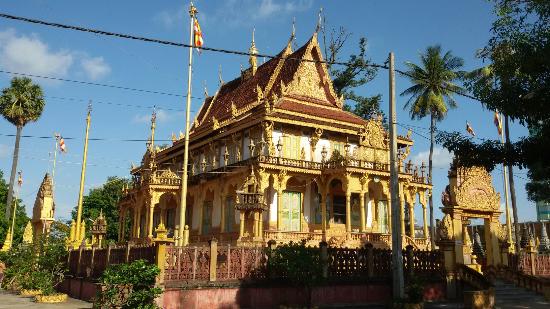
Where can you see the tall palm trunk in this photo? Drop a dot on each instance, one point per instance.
(512, 187)
(13, 171)
(431, 202)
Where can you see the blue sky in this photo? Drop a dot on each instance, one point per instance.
(404, 27)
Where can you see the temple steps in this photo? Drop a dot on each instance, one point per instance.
(508, 295)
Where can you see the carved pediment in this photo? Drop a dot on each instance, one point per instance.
(475, 190)
(373, 134)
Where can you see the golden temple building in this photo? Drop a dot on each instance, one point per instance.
(273, 156)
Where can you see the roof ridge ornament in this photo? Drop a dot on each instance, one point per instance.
(220, 79)
(319, 21)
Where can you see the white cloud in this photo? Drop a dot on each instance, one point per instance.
(31, 55)
(442, 158)
(162, 116)
(95, 68)
(170, 19)
(247, 12)
(4, 151)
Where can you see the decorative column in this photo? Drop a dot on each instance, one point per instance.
(123, 223)
(411, 219)
(222, 210)
(138, 221)
(402, 204)
(241, 225)
(323, 202)
(151, 209)
(279, 209)
(256, 226)
(425, 218)
(348, 212)
(261, 225)
(362, 211)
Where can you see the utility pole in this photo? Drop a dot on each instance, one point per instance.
(397, 259)
(83, 176)
(505, 179)
(512, 187)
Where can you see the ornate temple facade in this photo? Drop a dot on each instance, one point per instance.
(43, 209)
(273, 156)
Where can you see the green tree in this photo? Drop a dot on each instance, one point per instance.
(21, 218)
(431, 94)
(104, 198)
(21, 103)
(357, 72)
(520, 67)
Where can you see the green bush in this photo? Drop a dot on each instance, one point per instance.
(295, 263)
(38, 266)
(129, 286)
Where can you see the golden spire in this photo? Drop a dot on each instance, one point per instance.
(220, 80)
(253, 52)
(153, 126)
(205, 90)
(319, 21)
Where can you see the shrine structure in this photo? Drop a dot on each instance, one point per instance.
(273, 156)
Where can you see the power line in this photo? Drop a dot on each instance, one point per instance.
(90, 139)
(98, 84)
(165, 42)
(115, 104)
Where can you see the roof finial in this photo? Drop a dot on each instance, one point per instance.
(253, 51)
(293, 35)
(220, 80)
(319, 21)
(205, 90)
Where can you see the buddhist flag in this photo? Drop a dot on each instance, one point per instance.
(498, 123)
(62, 144)
(469, 129)
(20, 179)
(197, 35)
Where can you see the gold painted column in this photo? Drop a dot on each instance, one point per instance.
(388, 215)
(222, 211)
(261, 225)
(362, 211)
(323, 213)
(411, 220)
(256, 226)
(402, 204)
(150, 217)
(279, 209)
(348, 212)
(138, 225)
(425, 218)
(241, 224)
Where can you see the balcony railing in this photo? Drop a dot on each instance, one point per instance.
(250, 201)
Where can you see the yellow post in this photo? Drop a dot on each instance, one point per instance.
(348, 212)
(183, 195)
(279, 209)
(83, 173)
(411, 219)
(508, 219)
(425, 217)
(362, 211)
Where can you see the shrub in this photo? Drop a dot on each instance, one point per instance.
(129, 286)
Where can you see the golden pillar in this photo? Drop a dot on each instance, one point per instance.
(222, 213)
(279, 209)
(411, 219)
(150, 210)
(138, 223)
(241, 224)
(402, 204)
(348, 212)
(323, 202)
(83, 173)
(425, 218)
(362, 211)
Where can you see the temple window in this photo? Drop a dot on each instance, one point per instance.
(229, 215)
(291, 146)
(206, 217)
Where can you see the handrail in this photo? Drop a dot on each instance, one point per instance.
(473, 277)
(533, 283)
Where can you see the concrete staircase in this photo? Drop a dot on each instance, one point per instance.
(507, 295)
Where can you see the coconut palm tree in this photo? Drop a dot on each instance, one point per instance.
(21, 103)
(431, 94)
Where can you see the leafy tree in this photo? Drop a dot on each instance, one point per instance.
(431, 94)
(21, 103)
(357, 72)
(104, 198)
(520, 88)
(21, 218)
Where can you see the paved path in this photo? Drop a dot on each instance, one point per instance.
(509, 296)
(13, 301)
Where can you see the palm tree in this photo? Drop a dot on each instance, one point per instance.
(20, 104)
(432, 94)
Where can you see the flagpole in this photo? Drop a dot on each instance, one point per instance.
(183, 196)
(54, 160)
(505, 178)
(82, 176)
